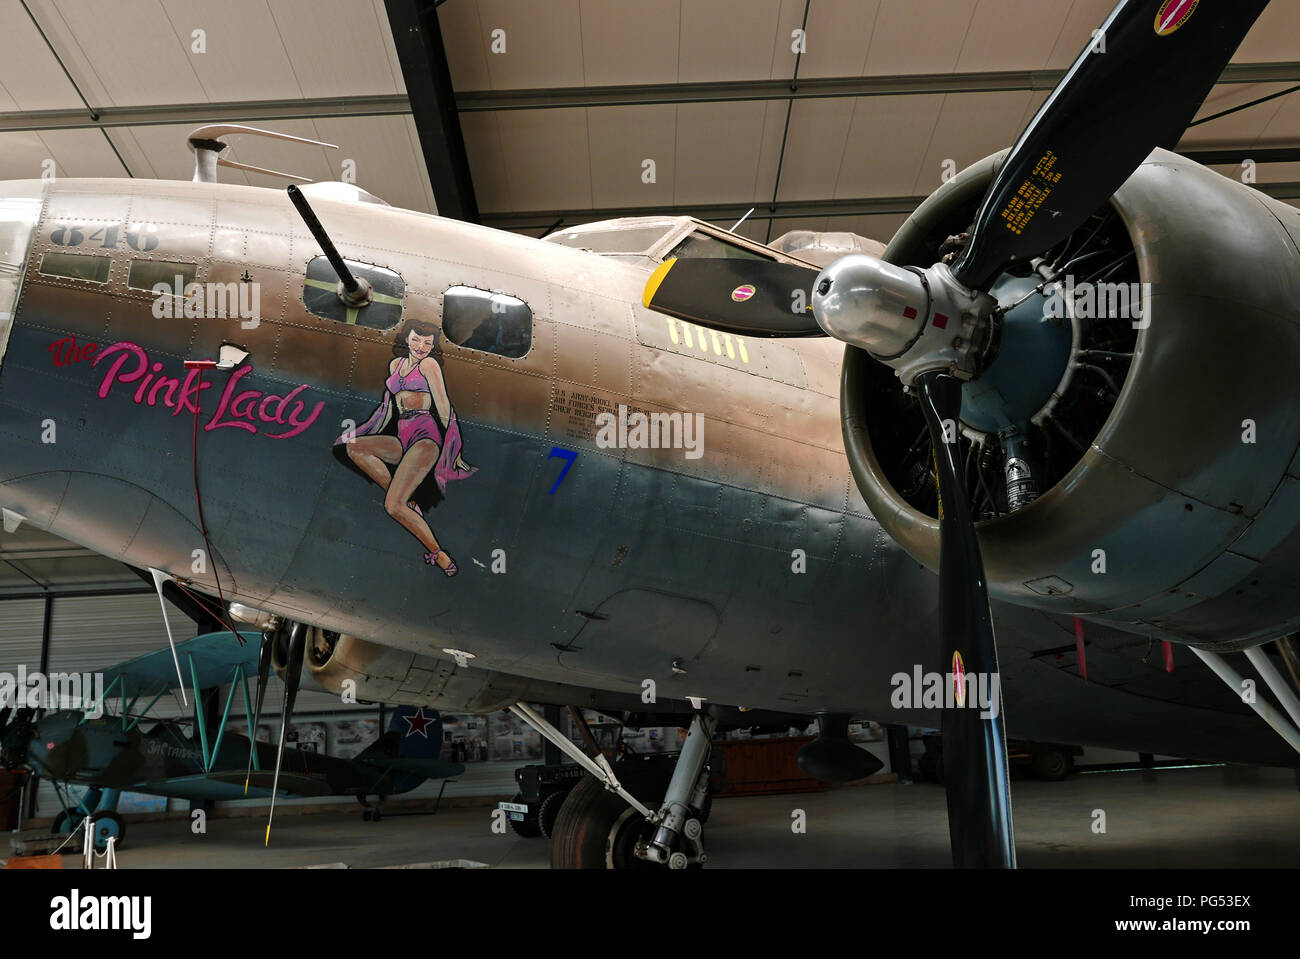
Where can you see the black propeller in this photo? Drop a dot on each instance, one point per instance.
(1135, 88)
(976, 775)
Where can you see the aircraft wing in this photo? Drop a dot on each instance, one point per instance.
(429, 768)
(206, 661)
(230, 785)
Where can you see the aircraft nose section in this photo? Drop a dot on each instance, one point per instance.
(20, 209)
(57, 749)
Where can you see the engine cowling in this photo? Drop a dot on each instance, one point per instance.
(385, 674)
(1171, 502)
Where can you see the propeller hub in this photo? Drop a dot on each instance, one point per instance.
(912, 320)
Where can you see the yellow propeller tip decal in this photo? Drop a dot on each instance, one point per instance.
(656, 278)
(268, 836)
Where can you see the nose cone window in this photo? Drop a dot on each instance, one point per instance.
(320, 295)
(490, 322)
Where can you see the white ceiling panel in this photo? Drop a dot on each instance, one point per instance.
(543, 43)
(970, 127)
(887, 138)
(243, 56)
(814, 149)
(125, 55)
(337, 47)
(630, 41)
(918, 36)
(1011, 35)
(718, 149)
(547, 158)
(838, 38)
(728, 39)
(30, 78)
(482, 134)
(630, 146)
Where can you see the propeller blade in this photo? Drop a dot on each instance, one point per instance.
(263, 672)
(292, 675)
(976, 775)
(753, 297)
(1136, 87)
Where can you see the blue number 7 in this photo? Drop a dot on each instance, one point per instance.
(569, 456)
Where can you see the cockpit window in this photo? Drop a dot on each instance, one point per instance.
(490, 322)
(702, 246)
(320, 295)
(636, 240)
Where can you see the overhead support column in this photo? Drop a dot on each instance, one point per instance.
(418, 39)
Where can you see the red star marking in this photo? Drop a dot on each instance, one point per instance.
(418, 722)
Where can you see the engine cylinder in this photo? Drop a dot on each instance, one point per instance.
(1179, 515)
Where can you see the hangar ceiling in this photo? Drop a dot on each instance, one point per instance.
(561, 109)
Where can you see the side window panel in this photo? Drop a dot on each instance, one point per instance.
(490, 322)
(320, 295)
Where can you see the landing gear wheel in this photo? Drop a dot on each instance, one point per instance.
(550, 810)
(106, 825)
(1052, 765)
(529, 828)
(597, 829)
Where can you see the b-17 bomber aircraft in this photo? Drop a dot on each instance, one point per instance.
(651, 467)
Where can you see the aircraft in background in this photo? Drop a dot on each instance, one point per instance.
(133, 752)
(457, 467)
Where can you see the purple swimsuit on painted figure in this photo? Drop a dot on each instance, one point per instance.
(416, 425)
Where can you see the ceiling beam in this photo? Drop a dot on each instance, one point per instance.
(239, 111)
(418, 40)
(730, 212)
(397, 104)
(814, 88)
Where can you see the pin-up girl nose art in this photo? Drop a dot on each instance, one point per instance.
(411, 444)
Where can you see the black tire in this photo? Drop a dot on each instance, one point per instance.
(706, 807)
(529, 828)
(597, 829)
(1052, 764)
(105, 824)
(64, 823)
(549, 811)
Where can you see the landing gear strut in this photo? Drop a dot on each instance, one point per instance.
(595, 830)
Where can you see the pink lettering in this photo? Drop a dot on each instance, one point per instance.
(242, 409)
(215, 423)
(126, 351)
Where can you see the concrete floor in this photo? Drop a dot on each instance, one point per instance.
(1181, 818)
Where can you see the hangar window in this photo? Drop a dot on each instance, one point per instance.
(320, 295)
(75, 266)
(146, 274)
(490, 322)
